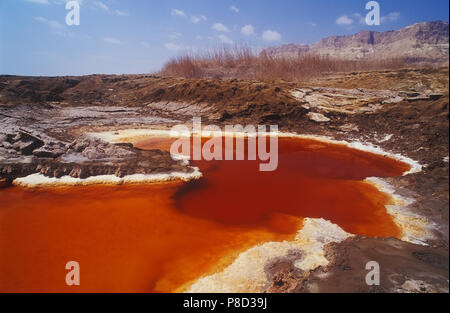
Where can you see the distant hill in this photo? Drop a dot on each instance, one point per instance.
(422, 42)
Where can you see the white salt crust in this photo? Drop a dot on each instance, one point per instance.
(135, 135)
(415, 228)
(39, 180)
(246, 273)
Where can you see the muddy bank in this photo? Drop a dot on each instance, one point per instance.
(404, 267)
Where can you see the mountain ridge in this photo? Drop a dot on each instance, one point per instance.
(420, 42)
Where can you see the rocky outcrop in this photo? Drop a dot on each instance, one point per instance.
(83, 158)
(93, 148)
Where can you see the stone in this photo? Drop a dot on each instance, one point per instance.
(419, 98)
(6, 144)
(349, 128)
(317, 117)
(17, 137)
(394, 100)
(435, 96)
(27, 147)
(48, 152)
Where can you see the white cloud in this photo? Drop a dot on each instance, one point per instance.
(225, 39)
(360, 18)
(195, 19)
(198, 37)
(248, 30)
(112, 40)
(391, 17)
(203, 17)
(174, 47)
(102, 6)
(220, 27)
(61, 33)
(57, 2)
(234, 9)
(58, 29)
(121, 13)
(55, 24)
(347, 20)
(176, 12)
(145, 44)
(271, 36)
(344, 20)
(41, 19)
(174, 35)
(80, 2)
(38, 1)
(50, 23)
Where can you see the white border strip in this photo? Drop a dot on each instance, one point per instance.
(39, 180)
(415, 228)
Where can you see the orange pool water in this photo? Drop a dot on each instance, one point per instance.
(160, 237)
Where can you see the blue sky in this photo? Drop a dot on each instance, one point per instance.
(138, 36)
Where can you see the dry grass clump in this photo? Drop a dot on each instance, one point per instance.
(244, 63)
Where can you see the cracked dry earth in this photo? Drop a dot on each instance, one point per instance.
(44, 122)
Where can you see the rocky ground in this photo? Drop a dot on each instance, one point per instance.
(404, 267)
(44, 120)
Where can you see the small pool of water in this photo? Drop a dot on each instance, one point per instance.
(161, 237)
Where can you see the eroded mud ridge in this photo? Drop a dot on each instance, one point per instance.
(48, 125)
